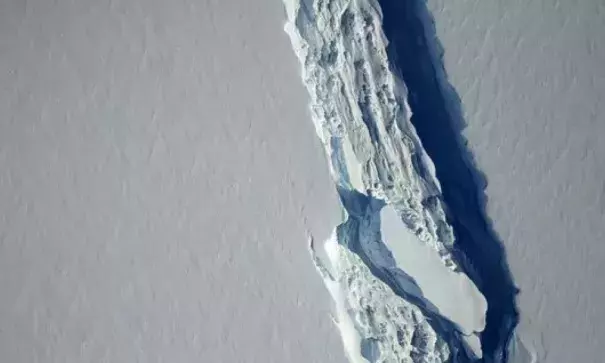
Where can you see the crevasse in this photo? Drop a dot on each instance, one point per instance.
(399, 294)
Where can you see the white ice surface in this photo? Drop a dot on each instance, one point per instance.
(351, 338)
(531, 77)
(157, 177)
(453, 294)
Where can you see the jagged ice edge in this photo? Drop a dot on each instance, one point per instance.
(362, 117)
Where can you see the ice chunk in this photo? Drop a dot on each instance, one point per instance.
(454, 295)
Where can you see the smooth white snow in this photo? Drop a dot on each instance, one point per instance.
(157, 176)
(531, 77)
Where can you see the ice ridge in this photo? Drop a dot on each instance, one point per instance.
(387, 308)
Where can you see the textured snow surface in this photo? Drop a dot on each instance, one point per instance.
(157, 177)
(362, 117)
(376, 325)
(531, 80)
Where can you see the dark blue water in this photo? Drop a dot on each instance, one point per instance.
(414, 53)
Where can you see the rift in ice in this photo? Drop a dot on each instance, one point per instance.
(410, 282)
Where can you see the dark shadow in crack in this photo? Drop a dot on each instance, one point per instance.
(415, 54)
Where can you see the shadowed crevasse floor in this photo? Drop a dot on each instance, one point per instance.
(415, 55)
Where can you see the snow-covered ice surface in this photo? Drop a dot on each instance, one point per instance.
(395, 248)
(531, 79)
(157, 177)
